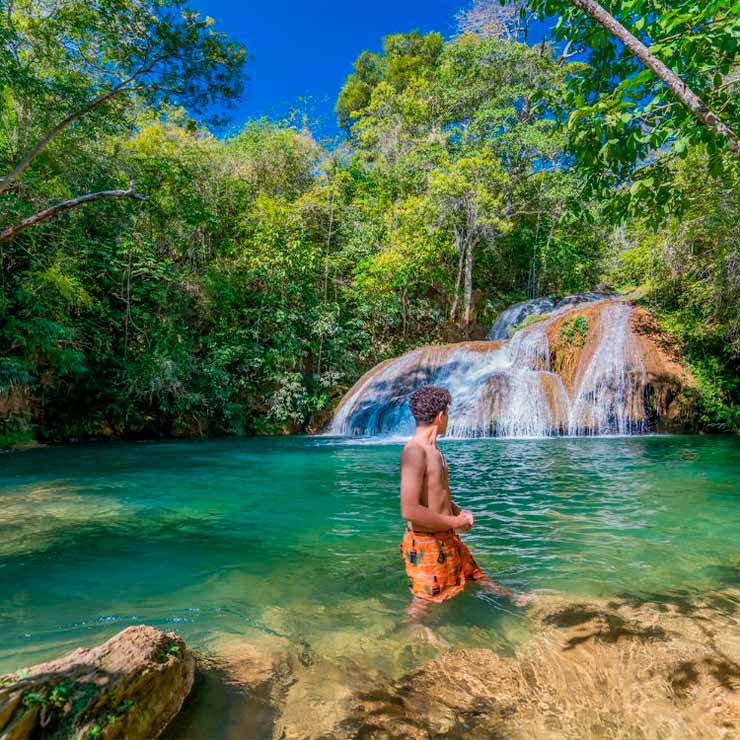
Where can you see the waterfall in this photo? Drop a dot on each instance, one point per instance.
(508, 388)
(609, 396)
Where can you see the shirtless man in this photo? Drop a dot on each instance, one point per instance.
(437, 562)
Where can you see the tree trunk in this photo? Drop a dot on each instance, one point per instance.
(329, 234)
(468, 285)
(12, 231)
(404, 312)
(675, 84)
(458, 278)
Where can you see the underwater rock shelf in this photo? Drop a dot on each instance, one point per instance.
(622, 664)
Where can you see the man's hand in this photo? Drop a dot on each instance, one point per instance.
(463, 521)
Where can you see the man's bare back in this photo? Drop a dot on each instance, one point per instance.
(425, 480)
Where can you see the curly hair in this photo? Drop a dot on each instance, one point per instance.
(427, 402)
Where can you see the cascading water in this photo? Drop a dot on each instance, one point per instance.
(609, 395)
(572, 300)
(508, 389)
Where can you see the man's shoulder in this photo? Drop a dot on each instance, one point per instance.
(414, 453)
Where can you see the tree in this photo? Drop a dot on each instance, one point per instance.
(658, 81)
(489, 19)
(468, 199)
(708, 118)
(688, 269)
(468, 146)
(405, 58)
(74, 69)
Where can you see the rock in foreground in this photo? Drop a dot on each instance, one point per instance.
(129, 687)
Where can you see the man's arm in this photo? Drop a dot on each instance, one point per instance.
(413, 468)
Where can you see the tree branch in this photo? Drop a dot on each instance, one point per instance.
(706, 117)
(567, 53)
(31, 154)
(12, 231)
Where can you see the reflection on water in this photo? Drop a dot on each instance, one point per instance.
(297, 539)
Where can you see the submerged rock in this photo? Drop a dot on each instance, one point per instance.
(622, 668)
(130, 687)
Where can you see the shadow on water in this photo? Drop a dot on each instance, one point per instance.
(724, 670)
(220, 709)
(582, 622)
(613, 626)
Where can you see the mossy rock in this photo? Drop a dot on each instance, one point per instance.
(129, 687)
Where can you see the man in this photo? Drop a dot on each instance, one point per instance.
(437, 562)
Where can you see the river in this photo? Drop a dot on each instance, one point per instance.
(298, 537)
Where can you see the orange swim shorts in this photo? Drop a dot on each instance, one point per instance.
(437, 564)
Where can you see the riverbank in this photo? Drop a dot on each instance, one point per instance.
(594, 366)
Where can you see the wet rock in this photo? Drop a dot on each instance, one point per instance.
(656, 391)
(571, 300)
(592, 368)
(129, 687)
(235, 691)
(671, 393)
(514, 315)
(394, 380)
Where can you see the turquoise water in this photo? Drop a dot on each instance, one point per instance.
(298, 537)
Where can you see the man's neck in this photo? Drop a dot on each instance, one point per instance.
(427, 434)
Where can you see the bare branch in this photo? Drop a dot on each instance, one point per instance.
(568, 52)
(12, 231)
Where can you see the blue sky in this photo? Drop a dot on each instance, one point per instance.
(305, 50)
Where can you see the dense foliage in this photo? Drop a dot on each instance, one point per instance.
(260, 274)
(625, 126)
(664, 173)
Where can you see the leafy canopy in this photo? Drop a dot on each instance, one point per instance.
(624, 125)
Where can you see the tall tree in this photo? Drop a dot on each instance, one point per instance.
(489, 19)
(74, 68)
(465, 133)
(467, 202)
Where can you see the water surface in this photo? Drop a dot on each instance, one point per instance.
(298, 537)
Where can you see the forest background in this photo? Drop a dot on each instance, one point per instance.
(160, 280)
